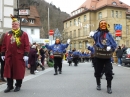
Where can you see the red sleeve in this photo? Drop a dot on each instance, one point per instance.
(26, 44)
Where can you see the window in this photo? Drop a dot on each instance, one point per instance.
(78, 20)
(116, 14)
(66, 24)
(74, 21)
(32, 31)
(85, 18)
(85, 31)
(114, 3)
(70, 34)
(112, 13)
(100, 15)
(127, 43)
(80, 45)
(120, 14)
(74, 45)
(127, 29)
(86, 46)
(78, 32)
(74, 33)
(66, 35)
(31, 21)
(70, 23)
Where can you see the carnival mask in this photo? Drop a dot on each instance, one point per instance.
(103, 25)
(57, 41)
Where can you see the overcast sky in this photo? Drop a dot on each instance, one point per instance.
(71, 5)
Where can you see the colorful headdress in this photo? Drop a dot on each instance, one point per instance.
(13, 18)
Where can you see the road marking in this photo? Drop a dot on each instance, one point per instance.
(26, 78)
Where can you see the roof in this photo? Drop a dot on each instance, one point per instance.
(95, 4)
(33, 15)
(89, 5)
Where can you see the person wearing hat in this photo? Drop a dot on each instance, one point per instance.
(14, 51)
(32, 59)
(104, 46)
(58, 48)
(42, 53)
(70, 58)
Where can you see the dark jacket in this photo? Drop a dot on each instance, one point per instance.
(32, 56)
(42, 53)
(119, 53)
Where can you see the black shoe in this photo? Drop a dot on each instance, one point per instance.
(8, 89)
(109, 91)
(98, 87)
(32, 73)
(56, 73)
(17, 89)
(42, 67)
(59, 72)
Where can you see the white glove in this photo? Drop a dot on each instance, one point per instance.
(108, 48)
(25, 58)
(68, 41)
(91, 34)
(3, 58)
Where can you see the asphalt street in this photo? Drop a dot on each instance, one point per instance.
(73, 82)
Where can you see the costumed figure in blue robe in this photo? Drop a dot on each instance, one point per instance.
(58, 49)
(104, 48)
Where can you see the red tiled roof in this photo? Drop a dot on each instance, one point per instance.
(97, 4)
(33, 15)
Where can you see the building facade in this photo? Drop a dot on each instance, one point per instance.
(31, 24)
(86, 19)
(6, 8)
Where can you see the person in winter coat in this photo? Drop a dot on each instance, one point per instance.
(58, 48)
(15, 49)
(32, 58)
(75, 56)
(70, 58)
(42, 53)
(1, 61)
(119, 53)
(105, 45)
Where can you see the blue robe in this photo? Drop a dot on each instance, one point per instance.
(91, 49)
(109, 40)
(60, 48)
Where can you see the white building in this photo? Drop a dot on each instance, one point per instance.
(6, 8)
(32, 24)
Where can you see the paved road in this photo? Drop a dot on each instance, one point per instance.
(74, 82)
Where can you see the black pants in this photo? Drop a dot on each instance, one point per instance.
(107, 68)
(75, 60)
(2, 67)
(10, 82)
(70, 63)
(94, 62)
(32, 68)
(57, 63)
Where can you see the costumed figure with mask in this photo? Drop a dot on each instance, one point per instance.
(70, 58)
(75, 56)
(15, 49)
(58, 48)
(104, 46)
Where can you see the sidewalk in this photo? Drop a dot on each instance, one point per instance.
(27, 72)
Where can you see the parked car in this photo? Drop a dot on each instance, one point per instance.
(126, 57)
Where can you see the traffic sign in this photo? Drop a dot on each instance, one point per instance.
(51, 32)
